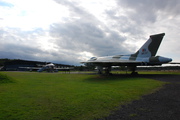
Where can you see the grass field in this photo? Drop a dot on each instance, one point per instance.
(148, 72)
(45, 96)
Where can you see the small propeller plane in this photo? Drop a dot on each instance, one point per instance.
(145, 56)
(50, 67)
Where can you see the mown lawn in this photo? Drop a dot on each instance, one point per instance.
(148, 72)
(161, 72)
(45, 96)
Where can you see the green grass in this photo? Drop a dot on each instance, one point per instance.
(160, 72)
(149, 72)
(5, 79)
(48, 96)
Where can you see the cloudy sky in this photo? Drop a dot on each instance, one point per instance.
(70, 31)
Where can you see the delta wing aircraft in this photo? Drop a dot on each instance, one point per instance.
(145, 56)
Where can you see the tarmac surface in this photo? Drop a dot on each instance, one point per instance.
(164, 104)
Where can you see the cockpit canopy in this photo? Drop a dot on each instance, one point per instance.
(93, 58)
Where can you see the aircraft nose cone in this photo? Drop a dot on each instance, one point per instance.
(170, 59)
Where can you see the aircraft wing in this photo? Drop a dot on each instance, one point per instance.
(68, 68)
(34, 68)
(114, 62)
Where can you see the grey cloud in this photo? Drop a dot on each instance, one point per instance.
(79, 37)
(82, 31)
(122, 23)
(16, 51)
(142, 17)
(16, 34)
(87, 33)
(17, 44)
(148, 11)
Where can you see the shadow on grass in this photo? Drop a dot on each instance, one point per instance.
(110, 78)
(122, 77)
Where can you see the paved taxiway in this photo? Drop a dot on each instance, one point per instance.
(161, 105)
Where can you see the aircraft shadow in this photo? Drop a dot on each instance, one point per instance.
(160, 77)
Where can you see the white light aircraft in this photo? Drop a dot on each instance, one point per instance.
(50, 67)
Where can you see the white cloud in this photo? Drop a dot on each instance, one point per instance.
(32, 14)
(70, 31)
(84, 56)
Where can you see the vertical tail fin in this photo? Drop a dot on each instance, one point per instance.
(151, 46)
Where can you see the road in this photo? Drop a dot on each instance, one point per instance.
(164, 104)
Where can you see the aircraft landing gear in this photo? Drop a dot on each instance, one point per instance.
(134, 73)
(133, 69)
(100, 69)
(106, 71)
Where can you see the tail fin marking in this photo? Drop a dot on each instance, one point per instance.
(150, 47)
